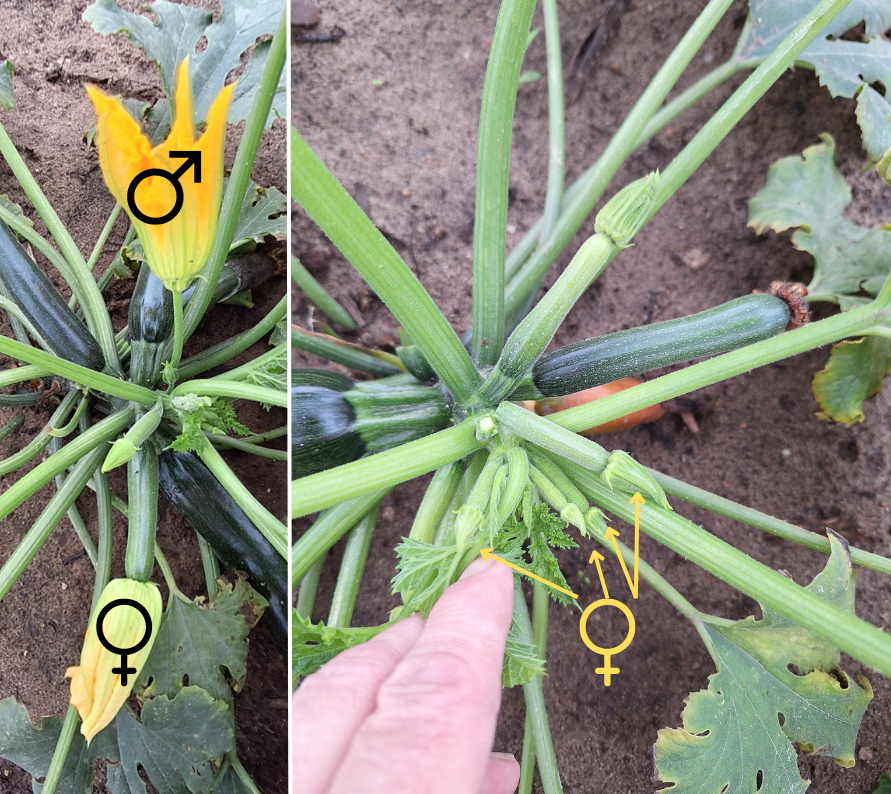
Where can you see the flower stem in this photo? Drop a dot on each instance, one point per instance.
(308, 587)
(383, 470)
(753, 518)
(177, 353)
(436, 500)
(60, 754)
(351, 569)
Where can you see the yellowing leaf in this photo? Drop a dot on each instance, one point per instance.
(854, 374)
(744, 724)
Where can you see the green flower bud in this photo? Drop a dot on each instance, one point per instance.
(124, 449)
(623, 473)
(572, 515)
(627, 211)
(486, 427)
(595, 520)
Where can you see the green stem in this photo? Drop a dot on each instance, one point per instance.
(210, 564)
(52, 514)
(857, 638)
(540, 603)
(492, 176)
(67, 429)
(717, 369)
(271, 528)
(11, 426)
(240, 176)
(743, 99)
(227, 350)
(319, 295)
(233, 390)
(177, 352)
(383, 470)
(74, 517)
(78, 275)
(328, 528)
(536, 712)
(746, 515)
(42, 440)
(358, 239)
(436, 500)
(556, 135)
(105, 519)
(351, 569)
(347, 356)
(100, 246)
(95, 381)
(92, 442)
(243, 776)
(276, 355)
(167, 573)
(308, 587)
(19, 374)
(18, 316)
(246, 446)
(60, 754)
(584, 194)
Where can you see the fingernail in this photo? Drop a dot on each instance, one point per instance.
(477, 566)
(504, 757)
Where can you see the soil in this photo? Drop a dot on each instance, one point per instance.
(43, 617)
(392, 109)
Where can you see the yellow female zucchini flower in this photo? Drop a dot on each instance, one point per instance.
(97, 685)
(176, 250)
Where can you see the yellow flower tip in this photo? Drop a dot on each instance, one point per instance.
(177, 250)
(95, 691)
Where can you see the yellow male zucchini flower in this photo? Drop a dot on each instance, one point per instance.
(176, 250)
(97, 690)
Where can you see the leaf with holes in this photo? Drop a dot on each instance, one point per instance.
(262, 215)
(197, 642)
(776, 683)
(846, 68)
(854, 373)
(809, 194)
(178, 32)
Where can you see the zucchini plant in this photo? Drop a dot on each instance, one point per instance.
(129, 398)
(523, 484)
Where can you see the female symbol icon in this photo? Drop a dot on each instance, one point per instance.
(607, 670)
(124, 670)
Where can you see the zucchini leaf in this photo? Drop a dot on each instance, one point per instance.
(7, 97)
(198, 640)
(809, 194)
(775, 684)
(314, 644)
(215, 415)
(521, 660)
(846, 68)
(884, 784)
(854, 373)
(177, 33)
(851, 263)
(174, 743)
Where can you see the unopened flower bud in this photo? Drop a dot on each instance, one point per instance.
(627, 211)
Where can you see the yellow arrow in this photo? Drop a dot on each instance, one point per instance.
(637, 500)
(597, 557)
(612, 534)
(487, 556)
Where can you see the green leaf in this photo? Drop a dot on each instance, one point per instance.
(7, 97)
(313, 645)
(32, 748)
(521, 660)
(756, 706)
(874, 118)
(423, 573)
(810, 193)
(854, 374)
(262, 215)
(198, 641)
(529, 77)
(175, 742)
(884, 786)
(177, 33)
(231, 783)
(199, 414)
(845, 67)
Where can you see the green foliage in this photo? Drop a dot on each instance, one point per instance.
(756, 706)
(809, 194)
(199, 414)
(231, 783)
(851, 263)
(521, 660)
(177, 33)
(544, 530)
(423, 573)
(854, 373)
(7, 97)
(884, 786)
(315, 644)
(176, 741)
(846, 68)
(262, 215)
(203, 643)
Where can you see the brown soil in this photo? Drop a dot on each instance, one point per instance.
(42, 619)
(407, 151)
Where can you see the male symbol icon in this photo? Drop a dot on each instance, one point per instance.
(124, 670)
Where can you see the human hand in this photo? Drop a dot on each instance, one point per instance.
(415, 708)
